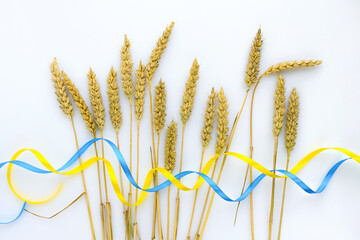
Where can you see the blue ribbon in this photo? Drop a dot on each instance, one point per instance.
(166, 183)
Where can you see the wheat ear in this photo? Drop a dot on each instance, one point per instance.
(139, 101)
(60, 90)
(80, 103)
(291, 128)
(67, 109)
(149, 74)
(209, 120)
(114, 100)
(157, 52)
(278, 122)
(252, 70)
(221, 140)
(159, 107)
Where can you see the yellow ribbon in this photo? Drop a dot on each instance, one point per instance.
(163, 171)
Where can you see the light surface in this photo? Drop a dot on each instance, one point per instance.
(219, 34)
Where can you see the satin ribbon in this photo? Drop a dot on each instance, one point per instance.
(171, 179)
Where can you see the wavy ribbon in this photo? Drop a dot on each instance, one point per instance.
(171, 179)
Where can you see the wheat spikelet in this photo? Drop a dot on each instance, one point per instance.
(252, 70)
(290, 65)
(157, 52)
(139, 91)
(209, 119)
(60, 90)
(292, 119)
(96, 100)
(279, 106)
(159, 106)
(223, 121)
(80, 103)
(114, 100)
(126, 68)
(189, 94)
(170, 146)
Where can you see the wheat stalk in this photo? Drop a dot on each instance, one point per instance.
(67, 109)
(99, 115)
(252, 70)
(116, 119)
(170, 158)
(126, 75)
(291, 127)
(221, 139)
(185, 113)
(149, 73)
(209, 120)
(278, 122)
(139, 101)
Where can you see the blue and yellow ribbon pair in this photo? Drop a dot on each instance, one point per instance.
(171, 179)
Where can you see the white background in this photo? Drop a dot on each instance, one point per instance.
(219, 34)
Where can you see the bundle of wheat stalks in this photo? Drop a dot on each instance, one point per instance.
(134, 83)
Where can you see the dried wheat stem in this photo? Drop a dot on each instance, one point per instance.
(273, 69)
(149, 73)
(170, 159)
(278, 122)
(126, 74)
(185, 113)
(99, 115)
(292, 119)
(209, 120)
(90, 124)
(67, 109)
(139, 101)
(116, 120)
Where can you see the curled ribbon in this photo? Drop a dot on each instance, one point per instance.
(171, 178)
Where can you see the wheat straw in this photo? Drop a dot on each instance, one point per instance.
(149, 73)
(99, 115)
(278, 122)
(126, 75)
(139, 109)
(185, 113)
(67, 109)
(292, 119)
(222, 137)
(209, 120)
